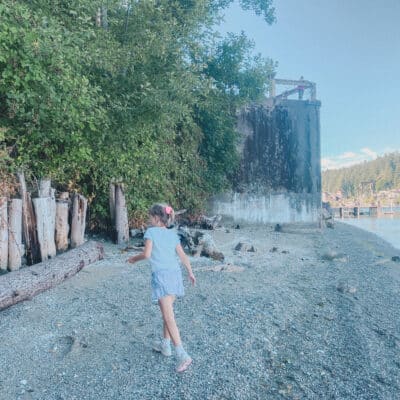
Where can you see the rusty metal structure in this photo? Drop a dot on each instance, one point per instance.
(299, 87)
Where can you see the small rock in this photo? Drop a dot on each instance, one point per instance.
(329, 224)
(273, 250)
(332, 255)
(396, 258)
(285, 251)
(243, 246)
(341, 288)
(345, 288)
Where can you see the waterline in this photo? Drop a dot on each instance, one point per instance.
(387, 227)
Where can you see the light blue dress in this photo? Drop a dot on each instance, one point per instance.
(166, 274)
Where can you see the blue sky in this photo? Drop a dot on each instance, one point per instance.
(351, 49)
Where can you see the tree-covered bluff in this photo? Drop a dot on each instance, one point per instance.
(142, 92)
(362, 180)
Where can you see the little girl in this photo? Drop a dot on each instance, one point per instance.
(162, 246)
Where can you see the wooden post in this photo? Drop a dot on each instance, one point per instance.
(45, 188)
(52, 228)
(62, 226)
(14, 234)
(3, 234)
(112, 204)
(45, 213)
(32, 247)
(45, 226)
(121, 215)
(78, 224)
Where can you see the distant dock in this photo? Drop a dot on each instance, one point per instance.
(370, 211)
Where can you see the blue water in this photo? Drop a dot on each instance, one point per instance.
(387, 226)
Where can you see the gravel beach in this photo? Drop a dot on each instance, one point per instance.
(309, 315)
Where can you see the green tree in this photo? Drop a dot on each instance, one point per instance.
(382, 172)
(147, 97)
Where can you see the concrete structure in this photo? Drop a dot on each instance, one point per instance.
(280, 174)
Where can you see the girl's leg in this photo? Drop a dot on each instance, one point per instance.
(167, 310)
(170, 328)
(166, 334)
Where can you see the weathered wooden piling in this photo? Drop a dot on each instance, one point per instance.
(62, 226)
(78, 224)
(3, 234)
(14, 234)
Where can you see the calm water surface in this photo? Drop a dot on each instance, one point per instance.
(387, 226)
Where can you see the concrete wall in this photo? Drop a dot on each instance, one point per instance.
(280, 174)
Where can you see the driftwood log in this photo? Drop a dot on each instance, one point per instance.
(199, 243)
(24, 284)
(200, 221)
(209, 222)
(3, 234)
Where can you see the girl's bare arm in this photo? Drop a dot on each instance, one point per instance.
(185, 261)
(145, 254)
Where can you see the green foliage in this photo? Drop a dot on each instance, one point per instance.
(142, 93)
(260, 7)
(7, 178)
(382, 173)
(49, 106)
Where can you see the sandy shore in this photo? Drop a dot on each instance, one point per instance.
(309, 315)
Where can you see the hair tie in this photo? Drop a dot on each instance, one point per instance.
(168, 210)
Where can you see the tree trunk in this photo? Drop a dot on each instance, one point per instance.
(27, 282)
(121, 215)
(32, 247)
(3, 234)
(78, 220)
(62, 226)
(45, 226)
(14, 234)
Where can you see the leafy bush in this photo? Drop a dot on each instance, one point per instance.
(138, 92)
